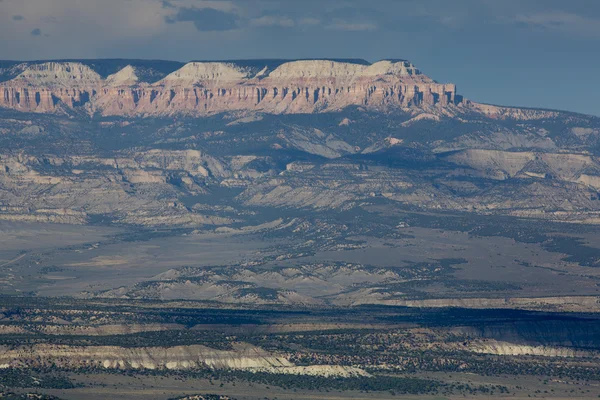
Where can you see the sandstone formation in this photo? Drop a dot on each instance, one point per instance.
(511, 349)
(563, 303)
(97, 184)
(437, 152)
(145, 186)
(180, 357)
(240, 357)
(205, 88)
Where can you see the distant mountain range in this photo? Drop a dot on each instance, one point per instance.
(150, 88)
(133, 141)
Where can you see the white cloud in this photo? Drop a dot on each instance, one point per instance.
(76, 28)
(562, 22)
(309, 21)
(106, 18)
(272, 20)
(221, 5)
(343, 25)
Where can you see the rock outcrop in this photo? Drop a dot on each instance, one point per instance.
(205, 88)
(563, 303)
(241, 357)
(180, 357)
(511, 349)
(97, 184)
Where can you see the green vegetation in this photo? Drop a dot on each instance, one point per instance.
(26, 396)
(407, 341)
(29, 378)
(400, 385)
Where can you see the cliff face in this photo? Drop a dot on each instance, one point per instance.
(242, 357)
(179, 357)
(204, 88)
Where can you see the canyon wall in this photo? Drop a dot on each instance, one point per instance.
(206, 88)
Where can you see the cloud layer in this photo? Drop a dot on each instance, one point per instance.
(205, 19)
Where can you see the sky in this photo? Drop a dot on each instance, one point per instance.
(535, 53)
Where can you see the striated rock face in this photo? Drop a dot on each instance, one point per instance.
(180, 357)
(205, 88)
(53, 74)
(98, 184)
(563, 303)
(511, 349)
(241, 357)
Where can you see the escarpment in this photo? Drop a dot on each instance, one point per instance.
(241, 356)
(180, 357)
(205, 88)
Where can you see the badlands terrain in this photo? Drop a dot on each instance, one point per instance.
(291, 229)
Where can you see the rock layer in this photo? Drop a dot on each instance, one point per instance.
(180, 357)
(241, 357)
(205, 88)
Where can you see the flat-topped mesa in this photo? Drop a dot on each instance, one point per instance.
(320, 69)
(41, 87)
(205, 88)
(387, 67)
(64, 74)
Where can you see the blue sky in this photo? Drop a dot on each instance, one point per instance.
(538, 53)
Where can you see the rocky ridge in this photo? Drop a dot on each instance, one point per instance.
(205, 88)
(145, 187)
(564, 303)
(240, 357)
(146, 171)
